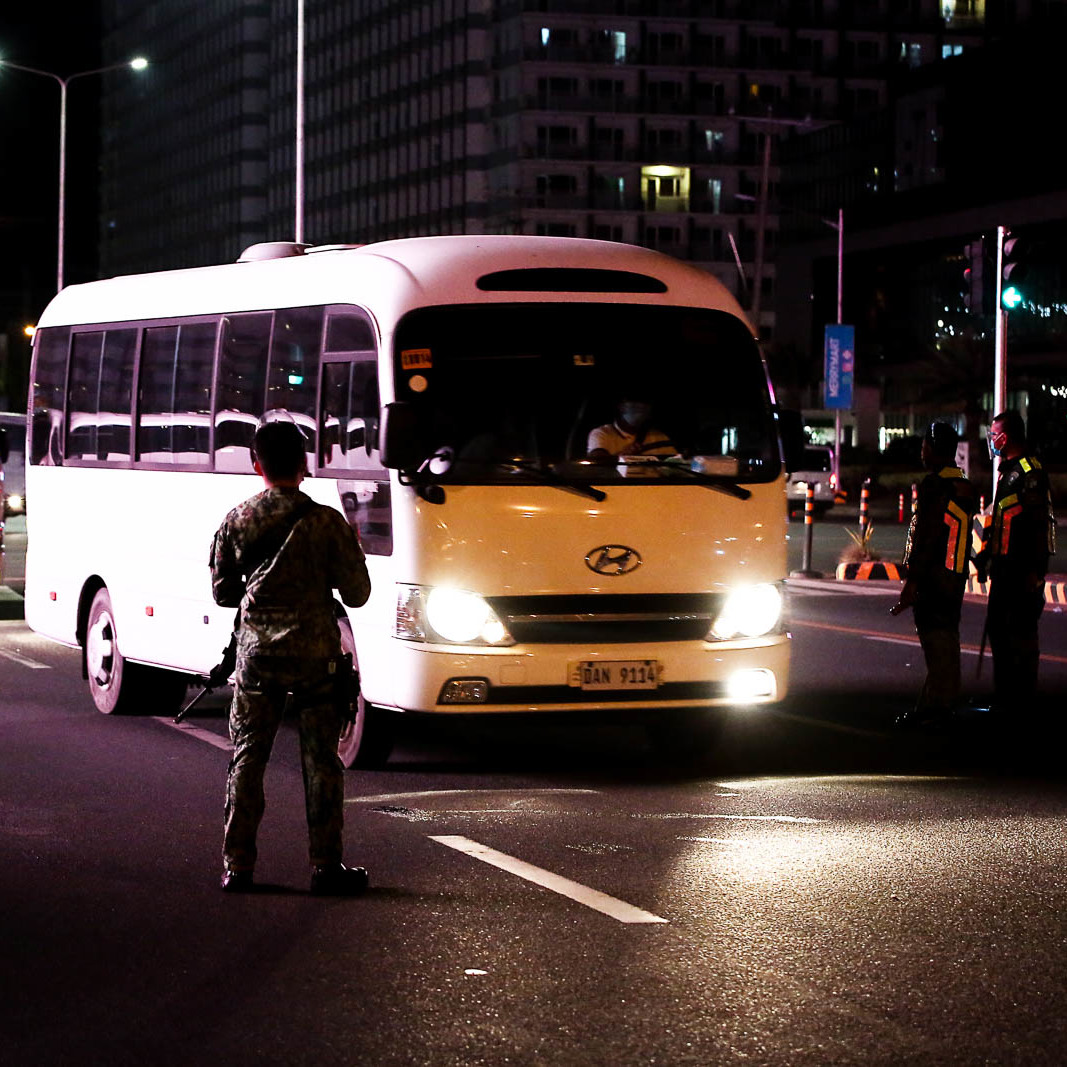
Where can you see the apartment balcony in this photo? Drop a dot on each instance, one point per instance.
(686, 155)
(720, 9)
(645, 103)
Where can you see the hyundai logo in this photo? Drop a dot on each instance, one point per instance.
(613, 559)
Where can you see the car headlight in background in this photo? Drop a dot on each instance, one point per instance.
(445, 614)
(748, 611)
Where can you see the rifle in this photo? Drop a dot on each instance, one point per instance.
(218, 676)
(346, 688)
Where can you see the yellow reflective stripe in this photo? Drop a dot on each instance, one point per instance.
(1005, 533)
(1025, 464)
(956, 553)
(950, 472)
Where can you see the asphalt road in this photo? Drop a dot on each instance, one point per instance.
(822, 891)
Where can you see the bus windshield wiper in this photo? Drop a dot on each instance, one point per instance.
(723, 482)
(549, 477)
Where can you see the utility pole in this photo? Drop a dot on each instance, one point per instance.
(298, 227)
(840, 227)
(1000, 349)
(761, 228)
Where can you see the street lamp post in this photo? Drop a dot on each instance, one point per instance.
(840, 227)
(298, 227)
(139, 63)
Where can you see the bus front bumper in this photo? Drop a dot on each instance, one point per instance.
(438, 678)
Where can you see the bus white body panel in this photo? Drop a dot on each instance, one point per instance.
(452, 332)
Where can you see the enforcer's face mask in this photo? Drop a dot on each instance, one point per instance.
(991, 441)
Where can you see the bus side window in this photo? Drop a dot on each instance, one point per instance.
(294, 368)
(349, 417)
(349, 412)
(98, 402)
(49, 384)
(240, 396)
(175, 394)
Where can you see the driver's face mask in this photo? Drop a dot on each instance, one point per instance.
(635, 413)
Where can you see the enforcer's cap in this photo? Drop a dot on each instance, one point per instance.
(943, 438)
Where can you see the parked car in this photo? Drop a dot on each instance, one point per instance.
(13, 463)
(817, 470)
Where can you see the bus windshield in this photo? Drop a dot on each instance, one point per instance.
(593, 392)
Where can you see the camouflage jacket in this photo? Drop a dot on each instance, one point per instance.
(282, 575)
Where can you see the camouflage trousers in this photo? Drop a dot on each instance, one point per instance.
(262, 685)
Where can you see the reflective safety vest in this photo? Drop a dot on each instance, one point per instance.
(958, 521)
(940, 532)
(1024, 485)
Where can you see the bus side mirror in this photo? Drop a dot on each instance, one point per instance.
(791, 427)
(400, 445)
(3, 445)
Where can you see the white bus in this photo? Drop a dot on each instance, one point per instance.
(447, 387)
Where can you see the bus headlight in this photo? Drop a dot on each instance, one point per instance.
(443, 613)
(748, 611)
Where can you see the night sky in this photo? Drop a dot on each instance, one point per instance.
(63, 39)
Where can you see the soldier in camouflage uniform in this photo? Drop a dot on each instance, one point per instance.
(1016, 555)
(935, 562)
(278, 557)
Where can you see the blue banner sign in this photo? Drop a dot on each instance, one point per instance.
(840, 362)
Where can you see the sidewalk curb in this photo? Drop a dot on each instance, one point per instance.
(12, 606)
(869, 570)
(1055, 588)
(877, 570)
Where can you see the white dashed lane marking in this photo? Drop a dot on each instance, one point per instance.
(24, 661)
(591, 898)
(198, 733)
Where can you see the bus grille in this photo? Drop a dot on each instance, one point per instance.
(607, 618)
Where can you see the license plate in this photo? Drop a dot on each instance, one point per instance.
(618, 674)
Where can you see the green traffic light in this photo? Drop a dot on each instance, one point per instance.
(1011, 297)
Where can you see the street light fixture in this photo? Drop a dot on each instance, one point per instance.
(137, 63)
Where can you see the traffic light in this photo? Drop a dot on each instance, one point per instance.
(974, 257)
(1014, 272)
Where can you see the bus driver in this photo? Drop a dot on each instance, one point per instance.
(631, 434)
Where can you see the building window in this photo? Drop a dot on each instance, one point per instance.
(665, 188)
(613, 44)
(556, 229)
(715, 195)
(911, 54)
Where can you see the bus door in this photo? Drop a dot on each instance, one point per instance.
(349, 411)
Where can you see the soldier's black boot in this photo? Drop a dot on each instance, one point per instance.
(338, 881)
(236, 882)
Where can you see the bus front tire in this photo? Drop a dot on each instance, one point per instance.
(368, 741)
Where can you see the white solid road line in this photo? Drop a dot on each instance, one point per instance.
(381, 798)
(24, 661)
(197, 732)
(964, 650)
(591, 898)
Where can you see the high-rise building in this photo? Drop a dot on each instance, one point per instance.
(650, 121)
